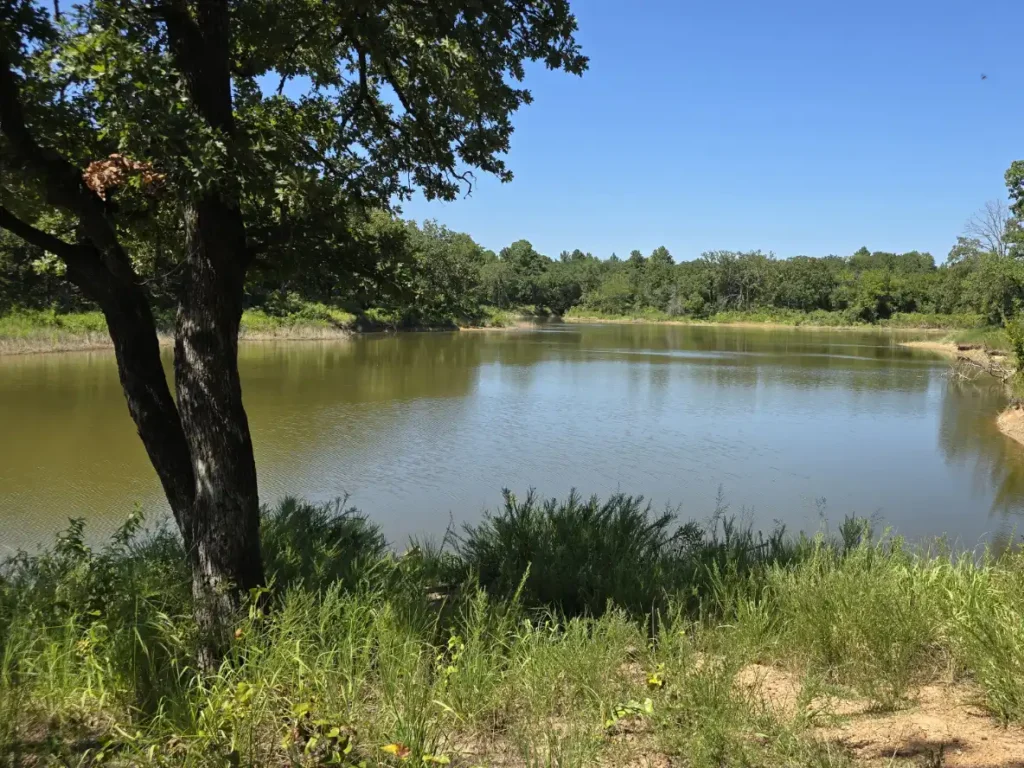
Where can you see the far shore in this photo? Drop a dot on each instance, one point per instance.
(765, 324)
(64, 340)
(60, 340)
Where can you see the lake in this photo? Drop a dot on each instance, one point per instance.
(424, 429)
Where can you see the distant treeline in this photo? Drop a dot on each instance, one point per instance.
(427, 273)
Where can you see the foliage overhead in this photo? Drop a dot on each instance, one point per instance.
(336, 106)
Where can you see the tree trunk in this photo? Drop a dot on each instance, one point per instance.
(224, 519)
(144, 383)
(201, 449)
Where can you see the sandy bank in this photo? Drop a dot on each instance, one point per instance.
(64, 341)
(947, 348)
(756, 324)
(983, 360)
(59, 341)
(1011, 423)
(513, 326)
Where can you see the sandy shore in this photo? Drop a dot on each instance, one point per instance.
(84, 342)
(947, 348)
(513, 326)
(751, 324)
(67, 342)
(995, 362)
(1011, 423)
(59, 341)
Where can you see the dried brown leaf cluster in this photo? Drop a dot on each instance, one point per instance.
(114, 171)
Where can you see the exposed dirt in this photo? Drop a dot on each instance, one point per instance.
(766, 325)
(947, 348)
(44, 342)
(515, 325)
(943, 726)
(1011, 422)
(971, 356)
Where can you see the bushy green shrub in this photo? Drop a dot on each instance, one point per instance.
(575, 555)
(318, 545)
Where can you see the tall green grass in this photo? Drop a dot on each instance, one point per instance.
(990, 337)
(572, 632)
(35, 330)
(28, 322)
(305, 316)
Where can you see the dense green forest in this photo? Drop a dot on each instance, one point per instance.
(427, 274)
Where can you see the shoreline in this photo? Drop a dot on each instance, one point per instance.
(62, 342)
(70, 341)
(765, 324)
(1010, 421)
(945, 348)
(92, 341)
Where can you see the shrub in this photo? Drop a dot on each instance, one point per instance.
(316, 545)
(575, 555)
(1015, 333)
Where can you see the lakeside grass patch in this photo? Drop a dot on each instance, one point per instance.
(36, 330)
(990, 337)
(573, 632)
(309, 315)
(47, 330)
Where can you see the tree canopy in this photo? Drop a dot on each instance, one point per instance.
(194, 144)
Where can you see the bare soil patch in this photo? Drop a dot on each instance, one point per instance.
(943, 726)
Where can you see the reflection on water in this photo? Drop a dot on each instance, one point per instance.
(423, 428)
(970, 440)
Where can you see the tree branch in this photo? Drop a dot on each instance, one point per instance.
(364, 90)
(184, 34)
(36, 237)
(62, 182)
(303, 39)
(201, 51)
(389, 75)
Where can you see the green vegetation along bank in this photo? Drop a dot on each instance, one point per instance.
(558, 633)
(427, 276)
(27, 331)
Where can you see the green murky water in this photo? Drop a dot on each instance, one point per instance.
(424, 429)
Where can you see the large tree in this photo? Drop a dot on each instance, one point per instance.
(223, 133)
(989, 227)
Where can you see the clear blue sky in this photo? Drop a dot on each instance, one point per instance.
(799, 127)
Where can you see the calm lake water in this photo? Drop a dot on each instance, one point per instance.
(423, 429)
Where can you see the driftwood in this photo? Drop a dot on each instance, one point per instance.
(975, 359)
